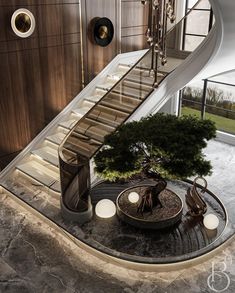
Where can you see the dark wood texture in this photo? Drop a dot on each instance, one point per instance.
(134, 25)
(96, 57)
(39, 75)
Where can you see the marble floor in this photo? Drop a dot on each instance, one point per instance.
(35, 258)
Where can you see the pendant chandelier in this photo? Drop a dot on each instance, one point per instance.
(159, 12)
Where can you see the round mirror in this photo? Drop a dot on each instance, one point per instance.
(23, 23)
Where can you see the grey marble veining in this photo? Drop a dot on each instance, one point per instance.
(33, 260)
(222, 157)
(112, 237)
(222, 180)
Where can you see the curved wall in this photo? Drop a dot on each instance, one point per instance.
(224, 59)
(214, 55)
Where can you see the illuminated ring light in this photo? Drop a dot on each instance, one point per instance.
(103, 31)
(23, 23)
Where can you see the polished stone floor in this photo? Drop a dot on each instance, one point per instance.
(35, 258)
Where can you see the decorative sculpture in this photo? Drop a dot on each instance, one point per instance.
(194, 199)
(150, 198)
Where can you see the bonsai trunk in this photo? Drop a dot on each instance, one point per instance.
(150, 199)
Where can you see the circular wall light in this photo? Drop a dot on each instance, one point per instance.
(23, 23)
(103, 31)
(105, 208)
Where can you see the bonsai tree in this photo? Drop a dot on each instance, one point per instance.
(158, 146)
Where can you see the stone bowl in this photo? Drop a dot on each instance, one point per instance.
(161, 217)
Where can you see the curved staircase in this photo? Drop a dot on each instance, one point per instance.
(123, 91)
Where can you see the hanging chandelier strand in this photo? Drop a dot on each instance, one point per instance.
(159, 12)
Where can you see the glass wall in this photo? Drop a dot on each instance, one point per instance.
(212, 99)
(197, 25)
(220, 105)
(192, 99)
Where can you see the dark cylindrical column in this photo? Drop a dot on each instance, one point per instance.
(75, 187)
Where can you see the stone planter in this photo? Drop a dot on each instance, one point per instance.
(161, 217)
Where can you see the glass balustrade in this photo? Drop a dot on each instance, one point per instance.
(113, 109)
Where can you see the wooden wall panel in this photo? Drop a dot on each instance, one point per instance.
(96, 57)
(34, 2)
(133, 25)
(39, 75)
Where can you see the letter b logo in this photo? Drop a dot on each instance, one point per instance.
(218, 280)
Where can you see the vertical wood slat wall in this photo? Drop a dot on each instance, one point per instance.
(130, 19)
(97, 57)
(41, 74)
(134, 21)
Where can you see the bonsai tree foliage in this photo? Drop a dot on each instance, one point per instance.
(159, 146)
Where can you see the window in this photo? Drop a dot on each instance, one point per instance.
(192, 99)
(212, 99)
(220, 105)
(197, 24)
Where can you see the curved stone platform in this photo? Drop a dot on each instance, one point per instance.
(187, 240)
(118, 242)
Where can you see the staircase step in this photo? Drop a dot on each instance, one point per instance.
(119, 73)
(125, 66)
(109, 109)
(57, 138)
(145, 80)
(106, 86)
(93, 99)
(75, 144)
(107, 116)
(139, 68)
(47, 154)
(31, 191)
(41, 172)
(118, 105)
(81, 111)
(171, 64)
(93, 130)
(69, 124)
(97, 122)
(127, 93)
(136, 85)
(124, 98)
